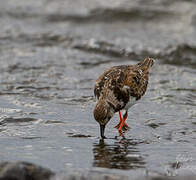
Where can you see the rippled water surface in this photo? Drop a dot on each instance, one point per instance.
(51, 53)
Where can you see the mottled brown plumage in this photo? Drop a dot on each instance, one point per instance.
(118, 88)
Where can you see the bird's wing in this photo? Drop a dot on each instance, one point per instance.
(110, 85)
(137, 80)
(110, 78)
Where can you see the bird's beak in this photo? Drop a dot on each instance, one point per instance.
(102, 130)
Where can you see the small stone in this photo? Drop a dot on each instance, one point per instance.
(23, 171)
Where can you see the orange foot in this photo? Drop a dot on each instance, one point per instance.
(121, 133)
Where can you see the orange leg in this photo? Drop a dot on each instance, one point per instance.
(121, 120)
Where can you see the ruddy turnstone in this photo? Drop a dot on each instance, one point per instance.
(118, 88)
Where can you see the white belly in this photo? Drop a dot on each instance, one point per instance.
(132, 100)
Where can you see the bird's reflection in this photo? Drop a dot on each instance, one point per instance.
(119, 155)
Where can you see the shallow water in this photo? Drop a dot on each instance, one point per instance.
(50, 57)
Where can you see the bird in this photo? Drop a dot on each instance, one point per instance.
(117, 89)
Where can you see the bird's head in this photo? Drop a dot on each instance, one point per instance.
(103, 112)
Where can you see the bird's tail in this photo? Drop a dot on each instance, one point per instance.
(146, 63)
